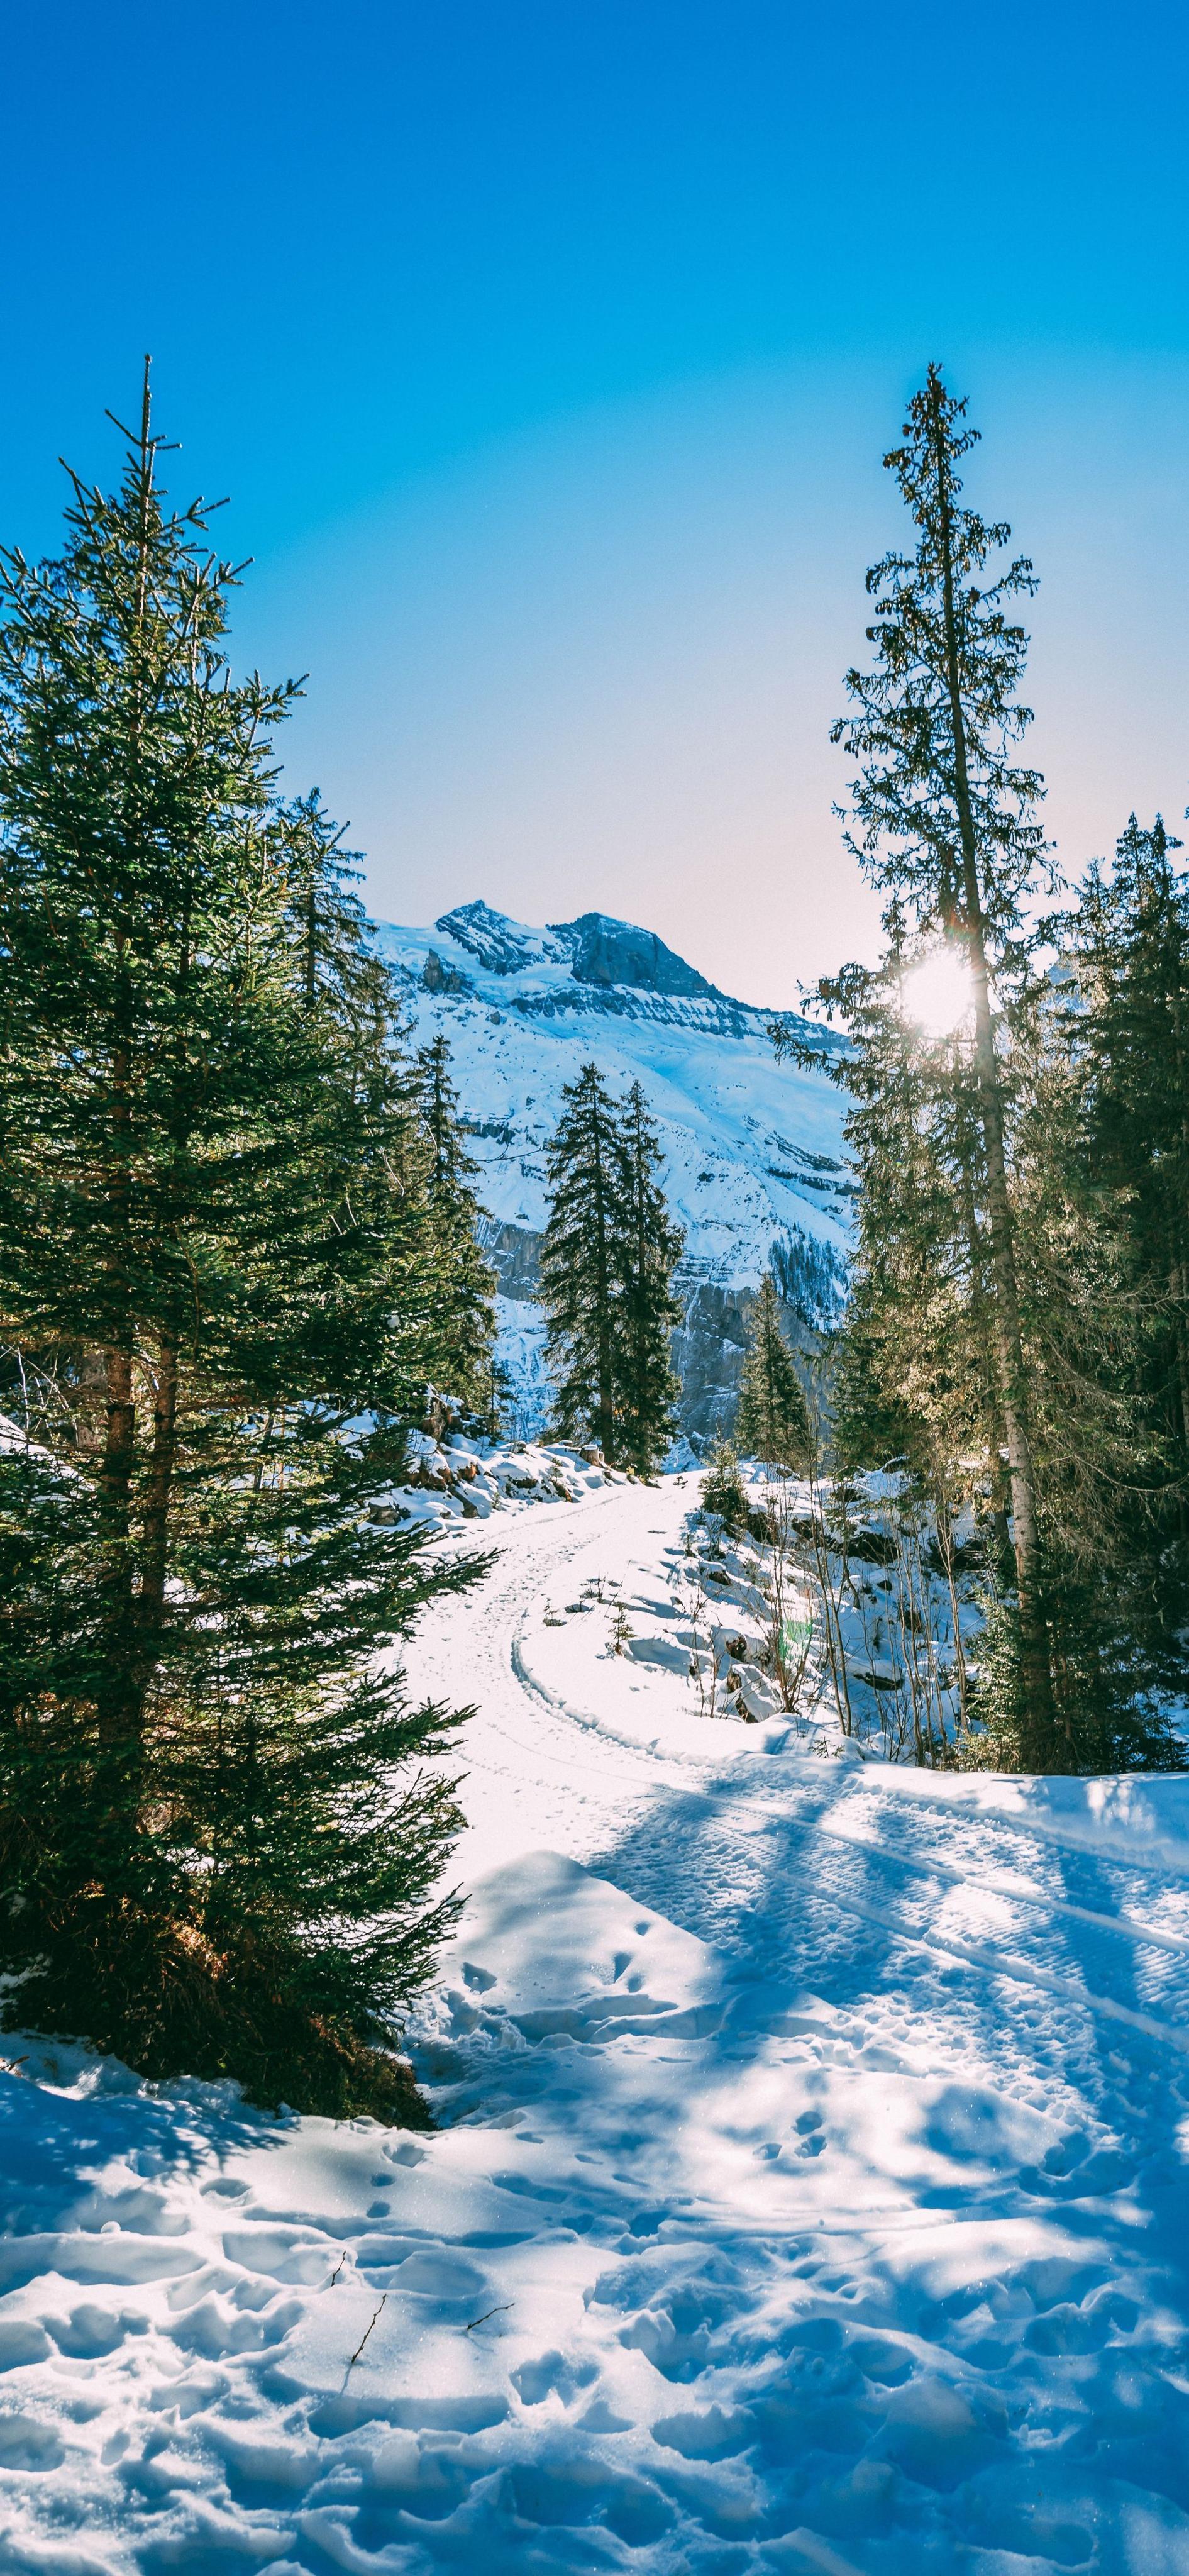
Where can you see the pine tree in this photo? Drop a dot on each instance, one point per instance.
(723, 1494)
(1005, 1339)
(943, 818)
(913, 1378)
(912, 1367)
(212, 1216)
(651, 1249)
(1099, 1468)
(326, 922)
(1127, 943)
(1124, 1081)
(772, 1422)
(582, 1262)
(463, 1325)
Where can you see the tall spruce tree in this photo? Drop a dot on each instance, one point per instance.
(914, 1382)
(1101, 1451)
(212, 1211)
(772, 1422)
(1125, 946)
(651, 1250)
(943, 819)
(913, 1367)
(582, 1262)
(332, 961)
(607, 1264)
(464, 1325)
(1127, 943)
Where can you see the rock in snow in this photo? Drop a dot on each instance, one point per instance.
(809, 2195)
(753, 1150)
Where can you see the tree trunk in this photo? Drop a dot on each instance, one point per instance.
(119, 1447)
(1036, 1670)
(155, 1548)
(945, 1549)
(1180, 1300)
(120, 1696)
(311, 974)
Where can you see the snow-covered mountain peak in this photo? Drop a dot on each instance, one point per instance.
(497, 944)
(754, 1164)
(594, 963)
(605, 951)
(595, 949)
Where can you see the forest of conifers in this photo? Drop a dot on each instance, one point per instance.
(238, 1246)
(1017, 1336)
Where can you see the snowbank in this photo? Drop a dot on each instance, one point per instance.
(457, 1479)
(1140, 1820)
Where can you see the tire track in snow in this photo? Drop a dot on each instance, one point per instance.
(533, 1557)
(712, 1793)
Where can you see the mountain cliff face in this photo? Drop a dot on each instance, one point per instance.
(753, 1149)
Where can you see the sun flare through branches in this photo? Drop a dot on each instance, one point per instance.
(937, 993)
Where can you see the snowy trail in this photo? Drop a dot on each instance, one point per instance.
(619, 1799)
(810, 2192)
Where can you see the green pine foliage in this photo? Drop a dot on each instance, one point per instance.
(723, 1496)
(221, 1824)
(914, 1383)
(1126, 942)
(465, 1330)
(1011, 1342)
(772, 1422)
(943, 819)
(582, 1262)
(607, 1261)
(1107, 1468)
(913, 1369)
(647, 1385)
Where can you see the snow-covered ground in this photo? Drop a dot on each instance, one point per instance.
(809, 2195)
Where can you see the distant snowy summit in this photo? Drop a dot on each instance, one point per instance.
(592, 950)
(753, 1149)
(593, 963)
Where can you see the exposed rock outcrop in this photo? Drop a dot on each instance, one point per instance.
(708, 1344)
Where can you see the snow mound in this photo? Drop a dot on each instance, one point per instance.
(562, 1951)
(455, 1478)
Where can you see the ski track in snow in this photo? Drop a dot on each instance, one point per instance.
(810, 2193)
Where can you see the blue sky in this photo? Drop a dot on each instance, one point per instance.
(548, 349)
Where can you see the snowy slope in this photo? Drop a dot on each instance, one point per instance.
(753, 1150)
(810, 2194)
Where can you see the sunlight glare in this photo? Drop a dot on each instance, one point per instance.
(937, 992)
